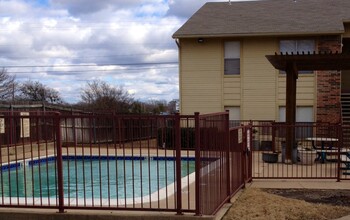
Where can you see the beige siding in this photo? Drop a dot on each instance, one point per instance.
(232, 91)
(200, 76)
(259, 90)
(258, 79)
(306, 92)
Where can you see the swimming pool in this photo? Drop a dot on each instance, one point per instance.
(91, 177)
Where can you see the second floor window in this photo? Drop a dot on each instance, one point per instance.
(295, 46)
(232, 58)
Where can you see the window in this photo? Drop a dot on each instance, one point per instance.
(297, 46)
(234, 115)
(234, 112)
(304, 118)
(232, 58)
(303, 114)
(294, 46)
(282, 113)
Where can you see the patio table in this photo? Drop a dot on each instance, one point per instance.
(322, 153)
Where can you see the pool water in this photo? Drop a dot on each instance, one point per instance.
(91, 178)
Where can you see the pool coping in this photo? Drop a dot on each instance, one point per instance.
(13, 164)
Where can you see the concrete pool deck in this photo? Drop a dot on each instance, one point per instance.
(300, 184)
(43, 214)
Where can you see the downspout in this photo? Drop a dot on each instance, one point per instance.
(177, 41)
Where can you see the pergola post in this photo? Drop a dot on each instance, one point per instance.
(291, 92)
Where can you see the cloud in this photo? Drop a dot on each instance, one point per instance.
(185, 8)
(9, 8)
(79, 7)
(63, 43)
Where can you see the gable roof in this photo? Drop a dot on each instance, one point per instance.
(266, 18)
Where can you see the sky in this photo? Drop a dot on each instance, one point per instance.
(66, 43)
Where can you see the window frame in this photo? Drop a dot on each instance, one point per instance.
(236, 60)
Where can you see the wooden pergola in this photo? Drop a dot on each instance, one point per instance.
(292, 64)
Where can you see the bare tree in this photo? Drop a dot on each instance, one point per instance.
(156, 106)
(7, 85)
(99, 95)
(36, 91)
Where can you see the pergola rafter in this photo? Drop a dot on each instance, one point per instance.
(311, 61)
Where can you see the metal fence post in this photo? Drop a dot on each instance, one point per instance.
(340, 143)
(59, 164)
(227, 145)
(245, 154)
(197, 164)
(12, 128)
(250, 156)
(178, 164)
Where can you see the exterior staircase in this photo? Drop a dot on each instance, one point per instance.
(345, 102)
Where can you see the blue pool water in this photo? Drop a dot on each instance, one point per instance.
(88, 177)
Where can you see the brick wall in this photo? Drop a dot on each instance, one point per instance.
(328, 84)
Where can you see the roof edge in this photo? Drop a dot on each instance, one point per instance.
(178, 36)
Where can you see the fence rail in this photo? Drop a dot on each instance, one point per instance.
(114, 162)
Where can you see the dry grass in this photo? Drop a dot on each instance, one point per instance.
(255, 204)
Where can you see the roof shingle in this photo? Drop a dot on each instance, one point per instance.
(267, 17)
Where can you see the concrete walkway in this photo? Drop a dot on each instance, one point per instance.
(301, 184)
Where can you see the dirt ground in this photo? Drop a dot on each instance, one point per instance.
(290, 204)
(329, 197)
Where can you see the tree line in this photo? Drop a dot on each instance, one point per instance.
(96, 95)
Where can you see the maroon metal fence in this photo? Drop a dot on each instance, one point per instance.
(118, 162)
(317, 154)
(239, 157)
(28, 139)
(15, 127)
(174, 163)
(224, 161)
(213, 142)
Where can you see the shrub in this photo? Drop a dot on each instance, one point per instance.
(166, 138)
